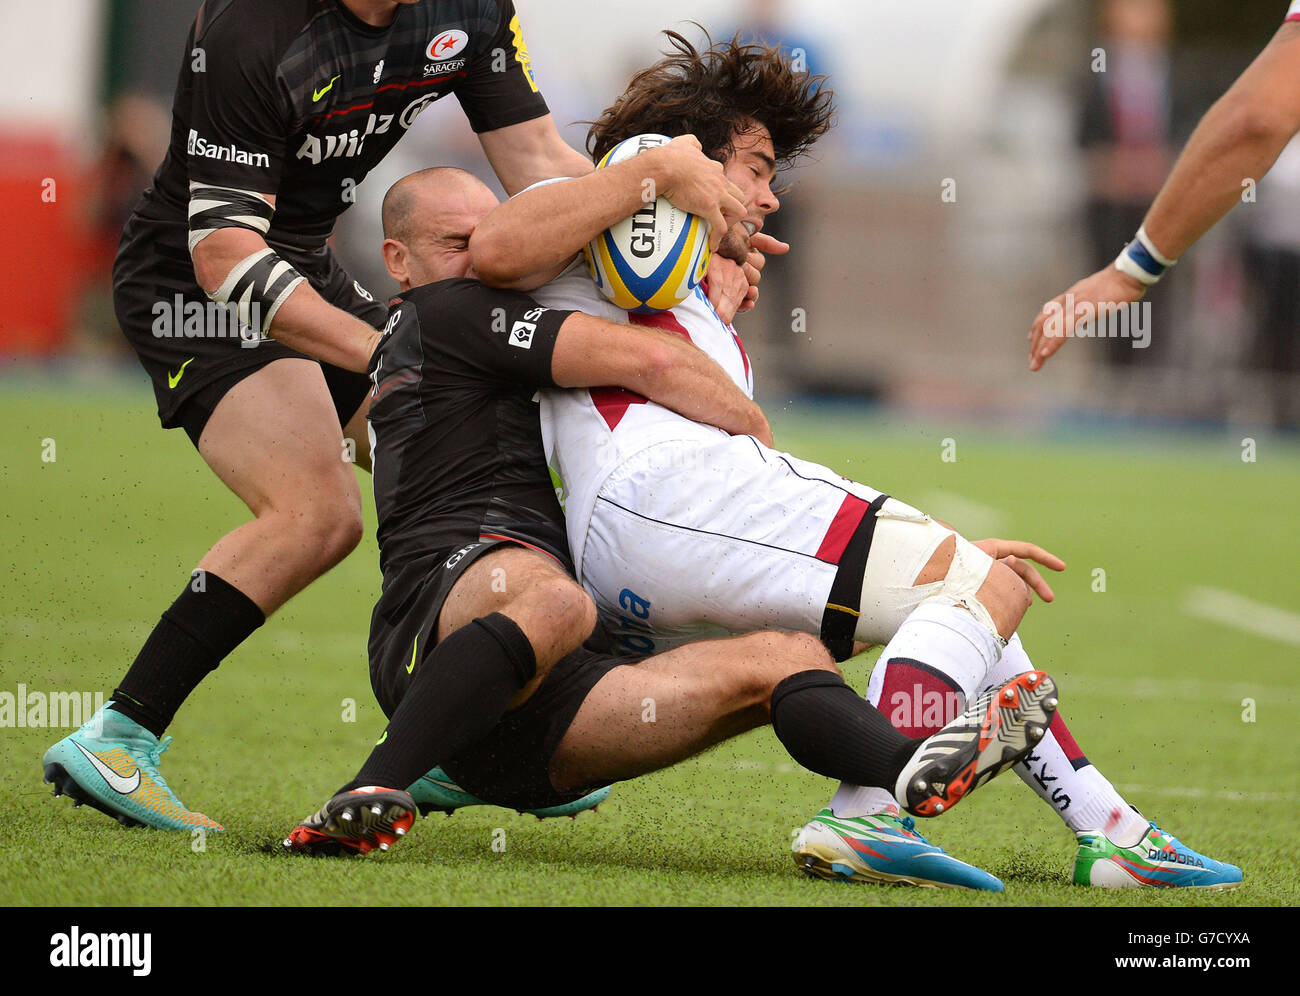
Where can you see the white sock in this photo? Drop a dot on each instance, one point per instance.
(956, 652)
(1080, 795)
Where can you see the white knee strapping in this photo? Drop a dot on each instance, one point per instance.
(904, 541)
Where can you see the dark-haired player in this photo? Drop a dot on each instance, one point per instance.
(680, 531)
(281, 109)
(475, 644)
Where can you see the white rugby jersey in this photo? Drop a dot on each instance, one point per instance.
(588, 433)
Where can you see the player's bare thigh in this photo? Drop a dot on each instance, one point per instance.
(534, 592)
(646, 716)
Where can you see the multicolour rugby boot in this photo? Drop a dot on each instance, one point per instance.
(881, 848)
(1159, 859)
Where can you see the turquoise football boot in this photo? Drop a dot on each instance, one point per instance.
(435, 792)
(111, 763)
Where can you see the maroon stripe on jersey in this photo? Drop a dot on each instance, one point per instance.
(613, 403)
(665, 320)
(841, 529)
(741, 346)
(391, 86)
(1066, 739)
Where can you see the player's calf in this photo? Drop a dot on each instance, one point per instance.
(775, 657)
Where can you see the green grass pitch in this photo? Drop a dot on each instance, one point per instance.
(98, 541)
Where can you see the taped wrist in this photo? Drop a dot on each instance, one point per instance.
(258, 285)
(1142, 261)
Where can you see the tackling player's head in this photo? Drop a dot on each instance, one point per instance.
(428, 218)
(741, 101)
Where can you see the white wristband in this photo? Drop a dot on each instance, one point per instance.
(1156, 254)
(1142, 261)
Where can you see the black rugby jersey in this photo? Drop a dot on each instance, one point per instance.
(301, 99)
(457, 439)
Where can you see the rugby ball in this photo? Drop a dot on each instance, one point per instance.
(655, 259)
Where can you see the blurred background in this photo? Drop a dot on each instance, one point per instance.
(986, 156)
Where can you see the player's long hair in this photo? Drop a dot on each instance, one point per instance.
(716, 93)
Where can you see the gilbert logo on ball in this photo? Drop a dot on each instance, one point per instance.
(655, 259)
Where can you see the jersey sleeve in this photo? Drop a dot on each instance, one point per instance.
(503, 336)
(500, 89)
(239, 123)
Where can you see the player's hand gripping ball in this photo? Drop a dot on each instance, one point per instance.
(655, 259)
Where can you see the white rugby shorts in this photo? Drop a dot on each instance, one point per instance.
(691, 540)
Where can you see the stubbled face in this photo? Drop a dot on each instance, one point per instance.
(751, 167)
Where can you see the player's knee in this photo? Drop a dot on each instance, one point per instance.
(803, 652)
(936, 569)
(1006, 597)
(989, 589)
(342, 535)
(776, 656)
(568, 611)
(332, 529)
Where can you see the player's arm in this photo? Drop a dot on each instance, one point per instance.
(230, 261)
(1239, 139)
(531, 238)
(525, 153)
(237, 104)
(506, 336)
(659, 365)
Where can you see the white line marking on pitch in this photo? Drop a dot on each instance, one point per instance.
(1184, 791)
(1196, 792)
(1235, 610)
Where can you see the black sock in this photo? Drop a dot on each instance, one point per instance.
(830, 729)
(209, 620)
(459, 692)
